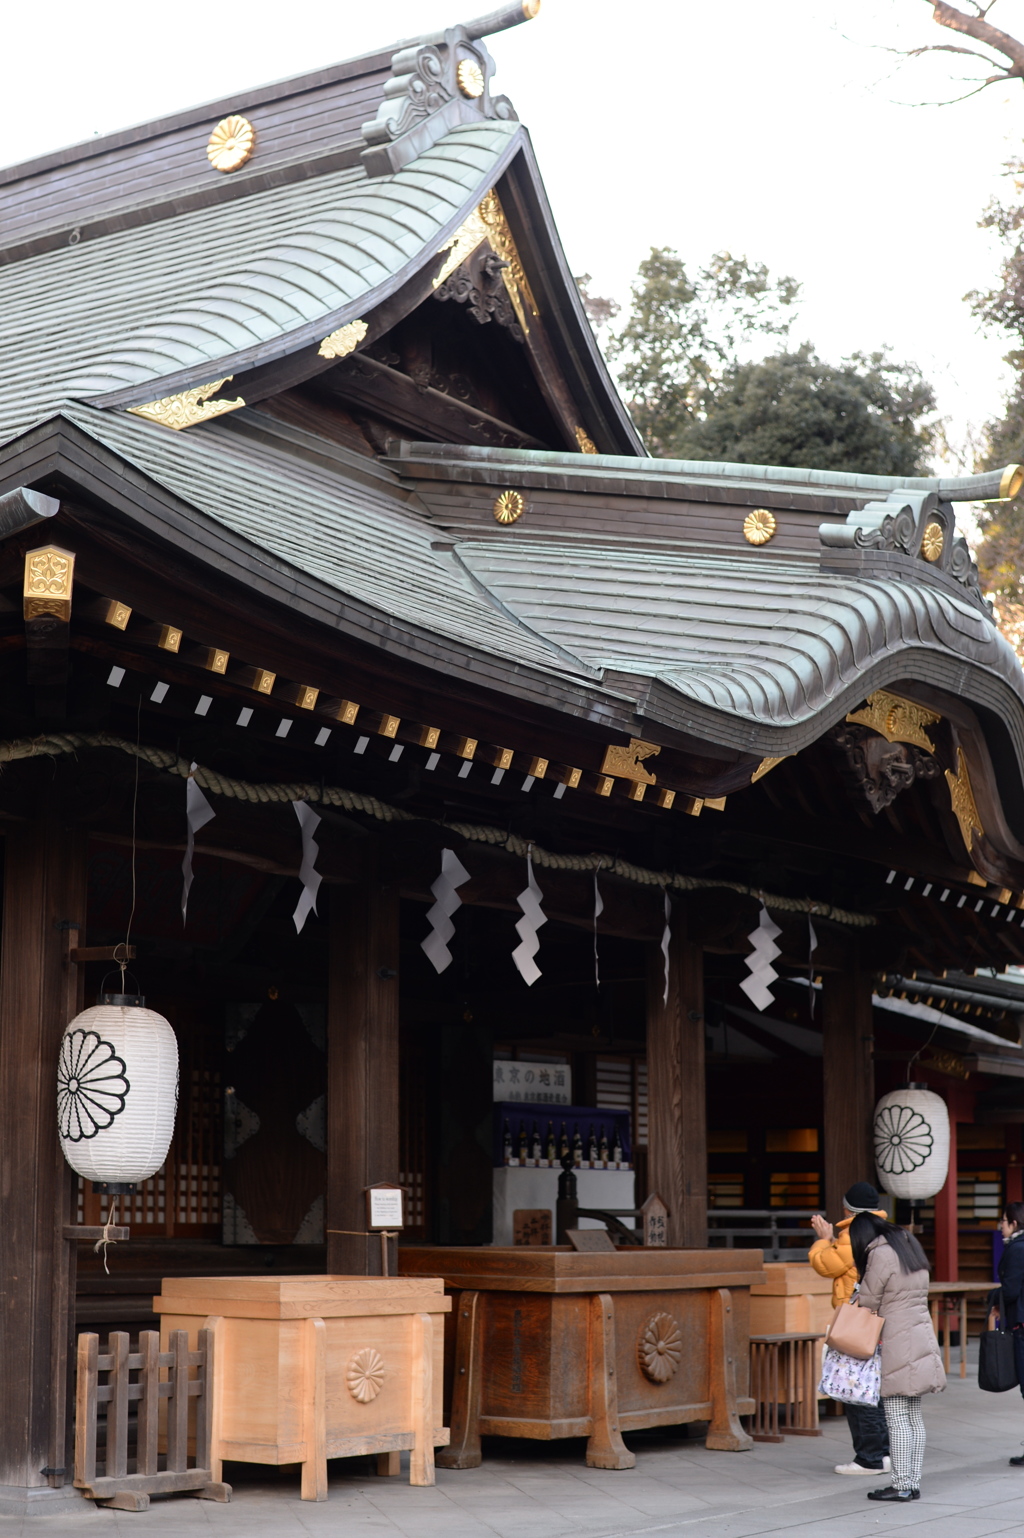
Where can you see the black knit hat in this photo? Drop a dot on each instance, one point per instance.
(861, 1197)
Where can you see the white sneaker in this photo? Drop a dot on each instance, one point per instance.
(858, 1468)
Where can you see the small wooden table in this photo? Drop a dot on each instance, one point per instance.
(553, 1343)
(944, 1297)
(315, 1367)
(784, 1373)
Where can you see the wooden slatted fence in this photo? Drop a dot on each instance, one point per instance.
(189, 1376)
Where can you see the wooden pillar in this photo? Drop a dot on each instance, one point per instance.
(947, 1219)
(677, 1151)
(849, 1083)
(362, 1061)
(44, 893)
(1014, 1184)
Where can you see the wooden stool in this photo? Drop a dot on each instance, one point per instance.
(784, 1385)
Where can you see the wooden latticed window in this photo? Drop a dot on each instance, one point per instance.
(412, 1137)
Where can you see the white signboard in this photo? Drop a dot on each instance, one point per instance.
(385, 1203)
(537, 1083)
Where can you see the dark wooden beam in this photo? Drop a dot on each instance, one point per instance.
(677, 1155)
(44, 888)
(362, 1061)
(423, 410)
(849, 1082)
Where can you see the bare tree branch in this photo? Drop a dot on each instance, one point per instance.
(982, 31)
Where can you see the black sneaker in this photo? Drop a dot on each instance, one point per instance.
(1017, 1463)
(890, 1493)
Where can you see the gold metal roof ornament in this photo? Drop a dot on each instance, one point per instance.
(766, 766)
(759, 526)
(1011, 482)
(961, 796)
(49, 578)
(584, 441)
(488, 222)
(932, 541)
(188, 407)
(626, 763)
(231, 143)
(343, 341)
(897, 719)
(509, 506)
(470, 78)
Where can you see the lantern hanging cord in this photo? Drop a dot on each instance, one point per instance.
(106, 1240)
(356, 801)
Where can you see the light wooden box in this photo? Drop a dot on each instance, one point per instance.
(793, 1300)
(315, 1367)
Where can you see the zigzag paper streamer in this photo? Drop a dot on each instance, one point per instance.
(666, 937)
(762, 974)
(812, 946)
(198, 812)
(310, 877)
(446, 902)
(598, 910)
(533, 917)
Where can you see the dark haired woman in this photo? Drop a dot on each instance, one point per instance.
(1011, 1280)
(893, 1270)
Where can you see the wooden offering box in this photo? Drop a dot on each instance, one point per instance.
(316, 1367)
(550, 1343)
(792, 1299)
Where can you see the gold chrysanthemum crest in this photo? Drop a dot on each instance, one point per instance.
(509, 506)
(231, 143)
(759, 526)
(932, 541)
(470, 78)
(343, 341)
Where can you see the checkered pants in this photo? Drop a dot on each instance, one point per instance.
(906, 1439)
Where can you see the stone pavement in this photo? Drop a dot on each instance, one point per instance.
(677, 1490)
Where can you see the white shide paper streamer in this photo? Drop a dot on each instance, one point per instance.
(757, 986)
(198, 812)
(309, 821)
(812, 946)
(666, 937)
(446, 902)
(598, 910)
(533, 917)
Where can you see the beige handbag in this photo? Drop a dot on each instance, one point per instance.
(854, 1330)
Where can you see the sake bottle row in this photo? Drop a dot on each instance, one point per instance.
(599, 1150)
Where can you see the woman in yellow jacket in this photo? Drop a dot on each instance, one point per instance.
(832, 1256)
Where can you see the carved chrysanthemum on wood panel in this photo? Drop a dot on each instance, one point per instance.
(659, 1348)
(365, 1375)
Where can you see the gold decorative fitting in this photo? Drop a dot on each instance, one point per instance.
(470, 78)
(664, 798)
(365, 1375)
(962, 799)
(306, 697)
(213, 659)
(759, 526)
(766, 766)
(188, 407)
(343, 341)
(897, 719)
(627, 762)
(692, 805)
(659, 1348)
(584, 442)
(488, 222)
(537, 768)
(49, 577)
(262, 680)
(231, 143)
(932, 541)
(531, 8)
(636, 791)
(1011, 482)
(117, 614)
(604, 785)
(716, 803)
(388, 725)
(169, 638)
(508, 507)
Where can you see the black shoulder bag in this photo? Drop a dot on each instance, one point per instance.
(997, 1366)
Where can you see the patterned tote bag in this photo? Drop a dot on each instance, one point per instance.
(850, 1379)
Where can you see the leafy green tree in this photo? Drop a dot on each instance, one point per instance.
(684, 332)
(868, 414)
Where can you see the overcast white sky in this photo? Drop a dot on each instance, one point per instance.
(778, 131)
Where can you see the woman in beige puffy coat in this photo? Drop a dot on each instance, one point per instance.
(893, 1272)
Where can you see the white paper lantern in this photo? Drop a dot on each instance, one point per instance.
(911, 1131)
(117, 1091)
